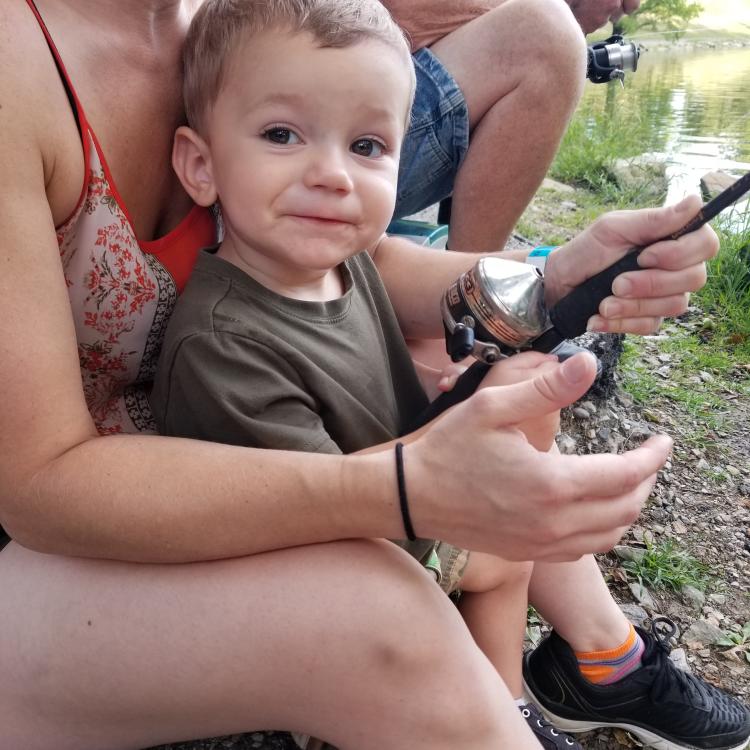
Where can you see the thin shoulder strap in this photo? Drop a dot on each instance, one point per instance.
(67, 85)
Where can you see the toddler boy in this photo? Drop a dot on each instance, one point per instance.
(284, 336)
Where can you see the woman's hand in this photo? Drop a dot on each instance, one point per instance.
(640, 299)
(475, 481)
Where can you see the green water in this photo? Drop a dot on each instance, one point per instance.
(691, 106)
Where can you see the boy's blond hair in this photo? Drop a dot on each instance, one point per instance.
(220, 25)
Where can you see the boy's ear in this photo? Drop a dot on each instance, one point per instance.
(191, 160)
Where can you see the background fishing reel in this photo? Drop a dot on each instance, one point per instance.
(611, 59)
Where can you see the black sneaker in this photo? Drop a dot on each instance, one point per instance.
(549, 737)
(663, 706)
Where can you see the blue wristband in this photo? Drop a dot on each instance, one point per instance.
(538, 256)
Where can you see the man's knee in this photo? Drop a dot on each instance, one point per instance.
(547, 42)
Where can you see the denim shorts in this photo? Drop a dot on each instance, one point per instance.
(437, 140)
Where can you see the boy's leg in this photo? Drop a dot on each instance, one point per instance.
(520, 69)
(652, 699)
(562, 591)
(348, 641)
(493, 603)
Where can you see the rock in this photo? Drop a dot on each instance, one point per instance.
(642, 595)
(580, 413)
(703, 632)
(712, 183)
(566, 444)
(693, 595)
(703, 465)
(646, 172)
(679, 527)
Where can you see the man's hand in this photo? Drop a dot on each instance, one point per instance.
(593, 14)
(640, 299)
(475, 481)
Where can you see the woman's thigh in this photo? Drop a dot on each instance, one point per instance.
(326, 639)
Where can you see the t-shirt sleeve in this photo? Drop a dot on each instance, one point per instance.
(426, 21)
(228, 388)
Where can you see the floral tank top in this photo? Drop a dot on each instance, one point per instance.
(121, 290)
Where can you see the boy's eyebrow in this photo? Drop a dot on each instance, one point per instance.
(278, 98)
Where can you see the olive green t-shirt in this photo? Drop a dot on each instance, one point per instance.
(243, 365)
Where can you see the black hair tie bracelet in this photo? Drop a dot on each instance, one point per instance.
(402, 499)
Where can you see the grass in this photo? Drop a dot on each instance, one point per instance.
(737, 640)
(664, 565)
(594, 141)
(726, 294)
(704, 406)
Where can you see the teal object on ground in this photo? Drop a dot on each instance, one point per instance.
(421, 232)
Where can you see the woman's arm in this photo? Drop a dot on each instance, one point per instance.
(472, 478)
(63, 488)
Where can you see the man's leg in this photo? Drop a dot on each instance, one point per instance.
(521, 69)
(351, 642)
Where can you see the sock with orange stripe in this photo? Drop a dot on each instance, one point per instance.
(606, 667)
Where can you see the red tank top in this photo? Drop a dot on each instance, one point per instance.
(121, 290)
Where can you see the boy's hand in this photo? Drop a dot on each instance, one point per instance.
(640, 299)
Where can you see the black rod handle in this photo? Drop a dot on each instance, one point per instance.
(570, 314)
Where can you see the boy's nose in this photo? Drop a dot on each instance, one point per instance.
(327, 169)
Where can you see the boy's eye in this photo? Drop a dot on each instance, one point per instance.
(284, 136)
(367, 147)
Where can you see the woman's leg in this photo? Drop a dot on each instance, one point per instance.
(349, 641)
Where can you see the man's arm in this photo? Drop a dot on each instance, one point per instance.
(593, 14)
(426, 21)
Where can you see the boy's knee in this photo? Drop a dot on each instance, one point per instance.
(487, 572)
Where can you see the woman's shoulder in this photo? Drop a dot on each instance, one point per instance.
(36, 116)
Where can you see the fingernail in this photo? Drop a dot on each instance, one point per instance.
(647, 260)
(622, 287)
(611, 308)
(576, 368)
(596, 323)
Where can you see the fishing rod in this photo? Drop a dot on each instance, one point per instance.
(497, 308)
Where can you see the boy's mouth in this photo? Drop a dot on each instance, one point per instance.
(322, 220)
